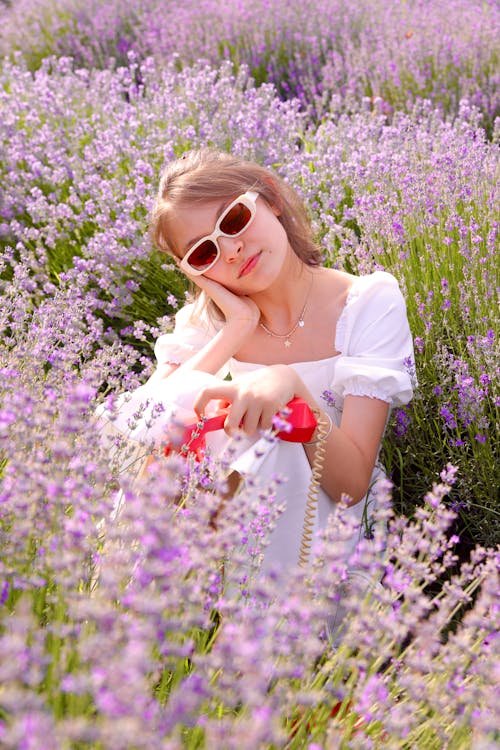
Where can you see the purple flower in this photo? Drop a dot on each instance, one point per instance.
(329, 397)
(403, 421)
(4, 593)
(449, 417)
(280, 423)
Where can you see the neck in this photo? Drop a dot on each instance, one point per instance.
(282, 304)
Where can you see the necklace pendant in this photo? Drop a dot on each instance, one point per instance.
(288, 343)
(301, 323)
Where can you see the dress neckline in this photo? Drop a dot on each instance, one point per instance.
(352, 294)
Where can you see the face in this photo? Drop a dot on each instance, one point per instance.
(251, 259)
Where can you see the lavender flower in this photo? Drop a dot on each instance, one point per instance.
(135, 612)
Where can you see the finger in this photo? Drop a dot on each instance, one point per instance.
(243, 416)
(216, 406)
(251, 421)
(267, 418)
(213, 290)
(207, 285)
(212, 392)
(234, 420)
(247, 416)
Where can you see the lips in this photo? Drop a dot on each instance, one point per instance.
(249, 264)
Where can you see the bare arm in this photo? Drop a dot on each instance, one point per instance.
(352, 448)
(242, 316)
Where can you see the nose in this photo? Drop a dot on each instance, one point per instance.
(230, 248)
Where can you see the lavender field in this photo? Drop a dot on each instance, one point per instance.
(150, 629)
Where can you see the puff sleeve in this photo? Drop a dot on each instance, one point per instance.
(376, 346)
(191, 332)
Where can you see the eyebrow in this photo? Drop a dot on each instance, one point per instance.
(220, 211)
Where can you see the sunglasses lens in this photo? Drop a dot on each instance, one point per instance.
(236, 219)
(203, 256)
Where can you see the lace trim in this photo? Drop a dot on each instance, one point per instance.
(368, 392)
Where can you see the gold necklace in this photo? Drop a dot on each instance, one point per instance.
(299, 324)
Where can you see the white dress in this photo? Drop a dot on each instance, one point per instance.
(375, 360)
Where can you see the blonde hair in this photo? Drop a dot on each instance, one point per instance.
(207, 174)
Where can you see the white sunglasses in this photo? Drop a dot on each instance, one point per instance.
(231, 223)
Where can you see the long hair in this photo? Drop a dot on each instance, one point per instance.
(207, 174)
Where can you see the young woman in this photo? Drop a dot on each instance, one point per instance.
(281, 326)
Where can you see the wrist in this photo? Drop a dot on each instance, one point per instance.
(245, 321)
(237, 331)
(297, 384)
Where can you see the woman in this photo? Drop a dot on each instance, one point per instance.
(281, 326)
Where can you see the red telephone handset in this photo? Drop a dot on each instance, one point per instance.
(301, 418)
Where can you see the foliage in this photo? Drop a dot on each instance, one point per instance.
(391, 53)
(82, 156)
(147, 627)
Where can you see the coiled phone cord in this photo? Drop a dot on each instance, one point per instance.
(323, 431)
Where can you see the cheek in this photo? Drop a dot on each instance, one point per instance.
(282, 234)
(218, 274)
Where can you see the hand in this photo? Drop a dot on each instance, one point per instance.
(236, 308)
(254, 397)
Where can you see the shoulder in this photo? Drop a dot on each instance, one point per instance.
(349, 288)
(375, 284)
(334, 287)
(374, 294)
(375, 309)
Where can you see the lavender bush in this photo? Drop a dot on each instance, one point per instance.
(82, 151)
(152, 627)
(331, 57)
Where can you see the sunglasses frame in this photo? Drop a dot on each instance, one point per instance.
(248, 199)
